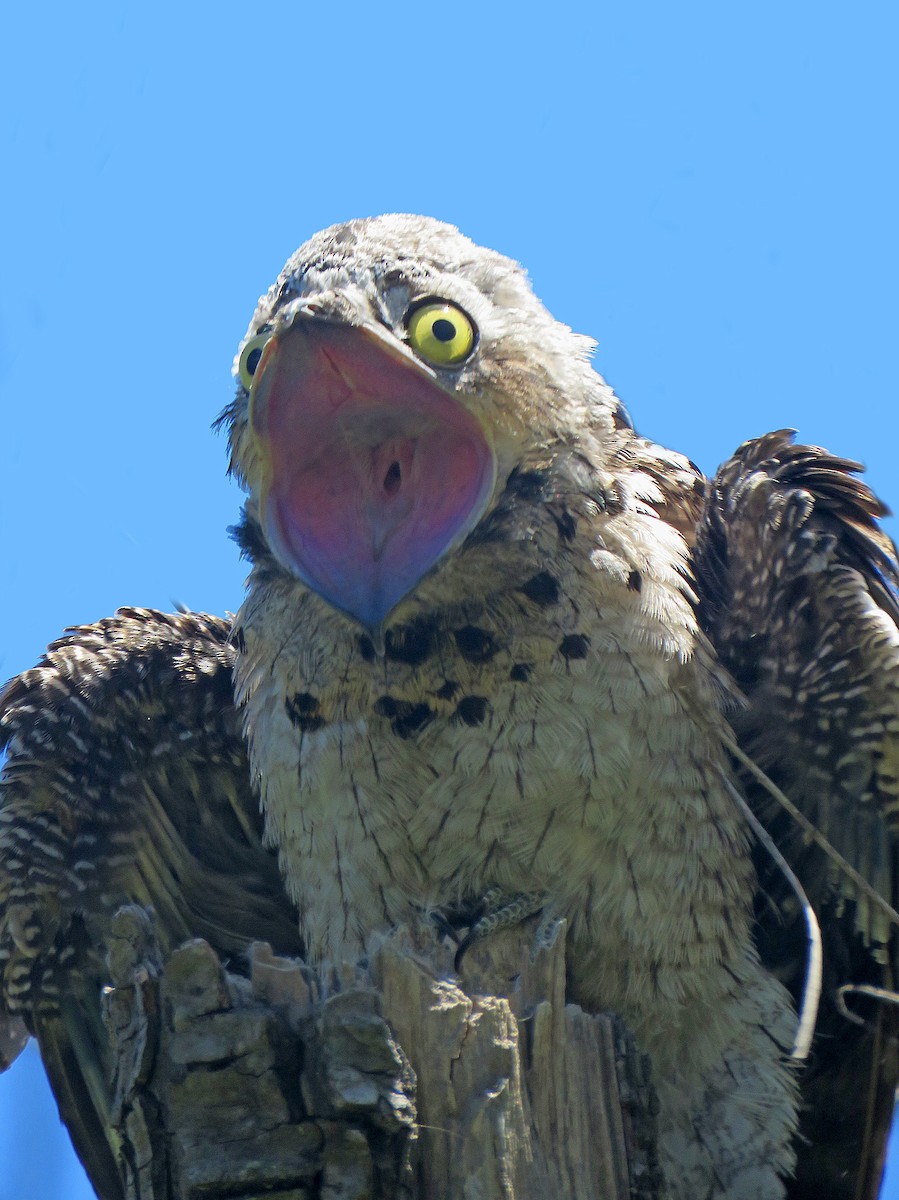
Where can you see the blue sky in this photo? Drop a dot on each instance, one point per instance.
(708, 190)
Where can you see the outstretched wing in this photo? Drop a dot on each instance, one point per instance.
(126, 781)
(799, 592)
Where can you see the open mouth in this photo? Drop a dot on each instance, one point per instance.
(375, 471)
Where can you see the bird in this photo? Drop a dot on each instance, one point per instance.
(495, 641)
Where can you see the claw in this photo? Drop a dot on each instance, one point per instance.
(498, 910)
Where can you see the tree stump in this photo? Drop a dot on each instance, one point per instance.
(404, 1081)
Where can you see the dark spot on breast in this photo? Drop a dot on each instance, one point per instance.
(635, 581)
(410, 722)
(366, 648)
(543, 589)
(448, 690)
(471, 710)
(566, 525)
(574, 645)
(303, 711)
(410, 643)
(405, 718)
(475, 645)
(521, 672)
(238, 639)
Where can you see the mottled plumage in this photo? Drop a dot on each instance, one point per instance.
(800, 595)
(490, 641)
(126, 780)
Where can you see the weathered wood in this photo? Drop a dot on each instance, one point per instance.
(407, 1082)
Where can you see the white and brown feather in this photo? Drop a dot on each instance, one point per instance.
(125, 781)
(800, 595)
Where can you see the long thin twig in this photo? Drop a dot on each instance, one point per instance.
(811, 991)
(816, 836)
(884, 995)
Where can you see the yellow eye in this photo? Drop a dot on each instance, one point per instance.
(249, 358)
(441, 333)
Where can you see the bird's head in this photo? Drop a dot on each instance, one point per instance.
(390, 383)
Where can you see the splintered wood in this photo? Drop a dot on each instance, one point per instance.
(406, 1081)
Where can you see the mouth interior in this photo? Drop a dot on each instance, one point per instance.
(375, 471)
(393, 479)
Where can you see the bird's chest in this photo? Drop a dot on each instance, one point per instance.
(536, 760)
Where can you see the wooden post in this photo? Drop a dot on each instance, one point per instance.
(406, 1081)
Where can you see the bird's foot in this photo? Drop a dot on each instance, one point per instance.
(496, 909)
(548, 930)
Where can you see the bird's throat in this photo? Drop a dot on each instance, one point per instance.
(375, 471)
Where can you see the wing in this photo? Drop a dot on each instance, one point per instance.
(799, 592)
(126, 781)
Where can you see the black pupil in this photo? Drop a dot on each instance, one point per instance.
(443, 330)
(253, 360)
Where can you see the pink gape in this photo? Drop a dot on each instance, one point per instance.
(375, 471)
